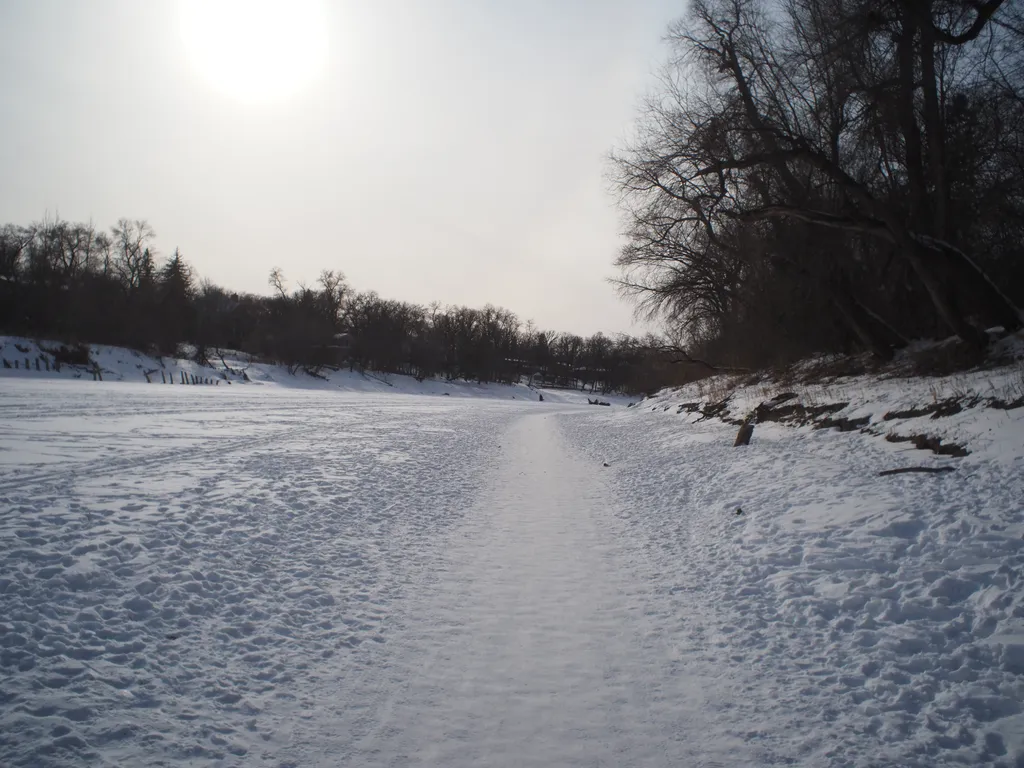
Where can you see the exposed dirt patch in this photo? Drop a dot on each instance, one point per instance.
(952, 406)
(930, 443)
(1006, 405)
(794, 413)
(719, 409)
(782, 411)
(843, 423)
(909, 413)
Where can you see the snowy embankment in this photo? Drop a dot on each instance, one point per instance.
(863, 619)
(942, 416)
(23, 358)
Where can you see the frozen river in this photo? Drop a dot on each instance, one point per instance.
(253, 576)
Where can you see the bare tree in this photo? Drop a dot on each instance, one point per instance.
(795, 152)
(134, 262)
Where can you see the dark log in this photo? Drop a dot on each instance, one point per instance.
(902, 470)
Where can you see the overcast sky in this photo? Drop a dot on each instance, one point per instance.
(449, 150)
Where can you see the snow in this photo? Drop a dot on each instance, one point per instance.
(286, 575)
(118, 364)
(881, 617)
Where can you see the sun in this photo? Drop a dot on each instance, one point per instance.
(256, 50)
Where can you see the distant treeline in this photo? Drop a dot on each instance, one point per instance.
(820, 176)
(75, 283)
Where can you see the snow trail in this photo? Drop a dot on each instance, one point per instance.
(538, 646)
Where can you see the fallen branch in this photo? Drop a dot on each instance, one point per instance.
(378, 378)
(684, 357)
(229, 369)
(901, 470)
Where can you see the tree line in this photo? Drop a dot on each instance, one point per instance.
(828, 176)
(73, 282)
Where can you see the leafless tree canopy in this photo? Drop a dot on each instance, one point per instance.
(826, 175)
(72, 282)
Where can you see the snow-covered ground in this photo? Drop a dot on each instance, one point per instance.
(24, 358)
(250, 576)
(850, 619)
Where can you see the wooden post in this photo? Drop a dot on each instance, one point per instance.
(163, 379)
(37, 363)
(744, 435)
(182, 376)
(46, 360)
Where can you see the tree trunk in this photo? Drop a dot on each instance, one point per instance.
(933, 123)
(969, 277)
(941, 295)
(855, 318)
(908, 121)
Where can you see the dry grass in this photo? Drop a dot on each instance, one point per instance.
(718, 388)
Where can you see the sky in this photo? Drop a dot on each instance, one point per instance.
(431, 150)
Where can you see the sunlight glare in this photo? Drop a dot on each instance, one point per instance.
(256, 50)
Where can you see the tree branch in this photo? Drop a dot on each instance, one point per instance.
(687, 358)
(823, 218)
(985, 12)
